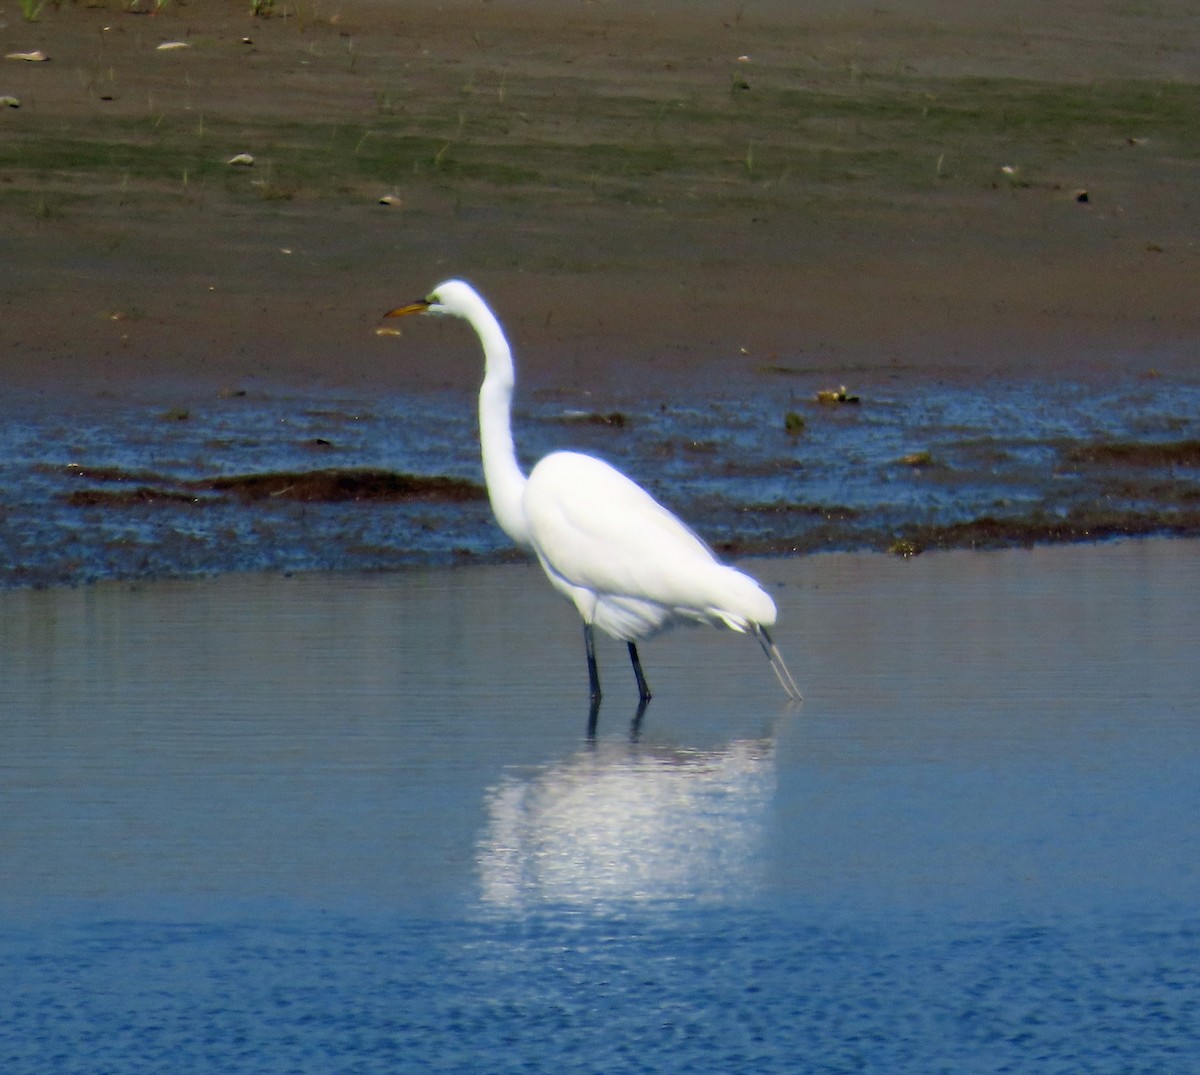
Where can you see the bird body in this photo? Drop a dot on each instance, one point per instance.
(630, 566)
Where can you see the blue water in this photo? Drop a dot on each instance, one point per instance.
(352, 822)
(1003, 454)
(344, 823)
(643, 991)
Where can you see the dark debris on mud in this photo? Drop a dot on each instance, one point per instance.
(1185, 453)
(335, 486)
(991, 532)
(329, 485)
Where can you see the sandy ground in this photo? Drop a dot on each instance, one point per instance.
(672, 209)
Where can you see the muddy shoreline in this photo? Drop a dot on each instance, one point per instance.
(696, 191)
(695, 218)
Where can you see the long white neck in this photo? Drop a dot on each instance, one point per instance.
(501, 471)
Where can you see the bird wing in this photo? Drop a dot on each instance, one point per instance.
(596, 529)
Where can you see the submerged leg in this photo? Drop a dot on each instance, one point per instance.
(593, 719)
(635, 728)
(643, 687)
(593, 675)
(777, 665)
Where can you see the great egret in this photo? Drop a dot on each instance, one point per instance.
(630, 566)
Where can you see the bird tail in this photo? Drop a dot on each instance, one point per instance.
(777, 666)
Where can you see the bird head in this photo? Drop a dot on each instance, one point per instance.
(451, 297)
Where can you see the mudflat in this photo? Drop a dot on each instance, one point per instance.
(677, 190)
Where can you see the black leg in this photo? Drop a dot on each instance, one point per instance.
(593, 675)
(643, 687)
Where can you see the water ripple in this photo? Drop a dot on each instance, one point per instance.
(909, 467)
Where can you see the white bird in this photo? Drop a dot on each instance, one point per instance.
(631, 567)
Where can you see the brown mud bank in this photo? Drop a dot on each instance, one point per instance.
(647, 196)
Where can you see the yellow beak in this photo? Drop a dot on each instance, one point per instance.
(412, 308)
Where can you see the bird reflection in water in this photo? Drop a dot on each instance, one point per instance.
(620, 822)
(635, 726)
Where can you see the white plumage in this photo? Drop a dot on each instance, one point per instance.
(630, 566)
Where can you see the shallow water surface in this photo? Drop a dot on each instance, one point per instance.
(354, 822)
(171, 485)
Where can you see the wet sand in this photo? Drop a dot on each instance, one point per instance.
(645, 194)
(693, 201)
